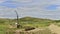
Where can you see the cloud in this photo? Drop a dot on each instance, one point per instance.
(1, 1)
(35, 8)
(23, 1)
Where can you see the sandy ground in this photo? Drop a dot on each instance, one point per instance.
(54, 28)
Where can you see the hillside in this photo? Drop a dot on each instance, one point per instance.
(31, 21)
(9, 24)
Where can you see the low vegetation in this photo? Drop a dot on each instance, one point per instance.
(8, 25)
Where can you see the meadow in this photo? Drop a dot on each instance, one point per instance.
(7, 26)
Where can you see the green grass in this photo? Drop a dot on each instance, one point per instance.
(3, 29)
(26, 21)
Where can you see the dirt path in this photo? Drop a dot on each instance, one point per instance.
(29, 32)
(54, 28)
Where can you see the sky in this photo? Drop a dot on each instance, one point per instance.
(49, 9)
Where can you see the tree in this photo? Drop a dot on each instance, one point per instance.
(17, 23)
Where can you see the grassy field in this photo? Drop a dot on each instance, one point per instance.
(7, 26)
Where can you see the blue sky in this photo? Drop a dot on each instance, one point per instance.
(49, 9)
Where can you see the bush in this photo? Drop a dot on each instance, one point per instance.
(27, 28)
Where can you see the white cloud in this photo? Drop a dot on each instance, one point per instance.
(35, 9)
(1, 1)
(22, 0)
